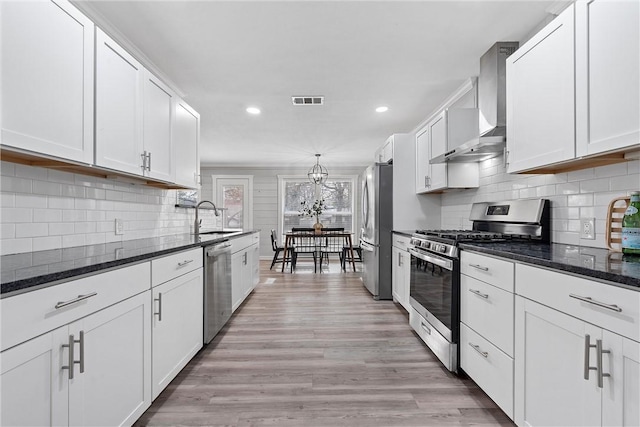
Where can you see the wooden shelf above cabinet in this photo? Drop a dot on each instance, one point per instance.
(25, 158)
(587, 162)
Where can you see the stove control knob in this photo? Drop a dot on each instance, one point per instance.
(442, 248)
(426, 245)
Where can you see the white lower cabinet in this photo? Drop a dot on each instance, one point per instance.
(95, 371)
(401, 270)
(575, 361)
(245, 267)
(177, 326)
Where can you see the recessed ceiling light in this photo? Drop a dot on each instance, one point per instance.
(381, 109)
(253, 110)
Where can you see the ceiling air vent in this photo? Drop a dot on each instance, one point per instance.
(307, 100)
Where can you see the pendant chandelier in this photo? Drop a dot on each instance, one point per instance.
(318, 174)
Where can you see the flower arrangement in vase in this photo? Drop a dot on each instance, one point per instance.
(313, 210)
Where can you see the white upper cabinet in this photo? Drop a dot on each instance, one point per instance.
(159, 112)
(540, 97)
(119, 99)
(384, 154)
(47, 79)
(438, 141)
(186, 138)
(607, 75)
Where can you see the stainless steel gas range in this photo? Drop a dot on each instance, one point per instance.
(435, 267)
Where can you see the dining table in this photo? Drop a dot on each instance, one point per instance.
(290, 237)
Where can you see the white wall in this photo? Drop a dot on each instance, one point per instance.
(574, 195)
(44, 209)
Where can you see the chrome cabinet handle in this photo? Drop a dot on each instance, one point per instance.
(590, 300)
(149, 161)
(587, 347)
(79, 298)
(479, 267)
(185, 262)
(144, 160)
(426, 328)
(480, 294)
(477, 348)
(71, 358)
(159, 313)
(244, 259)
(599, 352)
(399, 259)
(81, 361)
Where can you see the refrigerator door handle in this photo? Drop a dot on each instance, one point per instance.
(366, 246)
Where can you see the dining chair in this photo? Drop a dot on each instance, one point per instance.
(305, 246)
(331, 244)
(277, 249)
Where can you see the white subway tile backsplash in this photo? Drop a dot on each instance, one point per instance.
(61, 228)
(30, 172)
(617, 169)
(8, 231)
(72, 190)
(626, 182)
(633, 167)
(7, 200)
(72, 240)
(84, 227)
(61, 177)
(12, 184)
(47, 188)
(580, 199)
(594, 185)
(16, 215)
(113, 195)
(60, 203)
(85, 204)
(32, 230)
(47, 215)
(568, 188)
(14, 246)
(581, 175)
(30, 201)
(46, 243)
(74, 216)
(7, 169)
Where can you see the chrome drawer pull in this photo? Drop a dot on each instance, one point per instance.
(79, 298)
(159, 313)
(587, 347)
(598, 303)
(426, 328)
(479, 267)
(477, 348)
(81, 361)
(599, 352)
(480, 294)
(185, 262)
(71, 359)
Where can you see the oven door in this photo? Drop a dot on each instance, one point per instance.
(433, 291)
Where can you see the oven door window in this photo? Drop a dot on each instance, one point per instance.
(432, 287)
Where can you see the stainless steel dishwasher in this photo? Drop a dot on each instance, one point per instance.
(217, 288)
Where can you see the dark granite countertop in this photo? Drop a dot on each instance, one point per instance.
(19, 272)
(407, 233)
(594, 263)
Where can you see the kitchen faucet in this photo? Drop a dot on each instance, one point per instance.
(196, 225)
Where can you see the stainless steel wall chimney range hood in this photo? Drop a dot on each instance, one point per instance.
(492, 105)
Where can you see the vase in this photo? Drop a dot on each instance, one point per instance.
(317, 228)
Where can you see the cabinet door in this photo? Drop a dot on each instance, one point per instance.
(237, 278)
(550, 388)
(47, 79)
(607, 75)
(423, 168)
(34, 388)
(115, 388)
(177, 326)
(255, 266)
(397, 279)
(185, 145)
(438, 146)
(119, 99)
(540, 97)
(621, 390)
(158, 111)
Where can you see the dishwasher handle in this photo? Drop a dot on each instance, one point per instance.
(215, 250)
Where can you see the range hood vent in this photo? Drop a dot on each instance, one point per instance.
(492, 122)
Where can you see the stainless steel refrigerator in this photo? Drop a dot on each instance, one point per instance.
(377, 223)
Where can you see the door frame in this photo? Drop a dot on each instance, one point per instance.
(249, 189)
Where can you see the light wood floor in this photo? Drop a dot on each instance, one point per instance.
(316, 350)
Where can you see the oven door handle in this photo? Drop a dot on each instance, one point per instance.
(442, 262)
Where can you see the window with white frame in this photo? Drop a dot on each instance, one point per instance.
(338, 194)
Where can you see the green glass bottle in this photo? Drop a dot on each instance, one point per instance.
(631, 226)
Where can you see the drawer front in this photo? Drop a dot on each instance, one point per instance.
(490, 368)
(240, 243)
(607, 306)
(27, 315)
(400, 241)
(174, 265)
(427, 333)
(490, 270)
(489, 311)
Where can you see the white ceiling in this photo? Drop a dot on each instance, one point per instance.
(224, 56)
